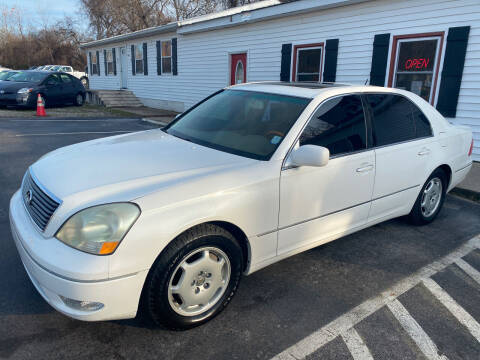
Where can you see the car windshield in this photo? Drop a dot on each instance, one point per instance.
(55, 68)
(245, 123)
(35, 77)
(5, 75)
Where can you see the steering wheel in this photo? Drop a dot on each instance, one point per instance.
(274, 132)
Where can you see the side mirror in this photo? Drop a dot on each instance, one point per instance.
(310, 155)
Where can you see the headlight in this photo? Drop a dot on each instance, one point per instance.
(25, 91)
(98, 230)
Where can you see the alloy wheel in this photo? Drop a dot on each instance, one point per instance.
(431, 197)
(199, 281)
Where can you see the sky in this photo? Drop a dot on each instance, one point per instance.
(40, 12)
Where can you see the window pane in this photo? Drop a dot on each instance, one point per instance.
(138, 52)
(422, 125)
(166, 48)
(246, 123)
(309, 60)
(110, 67)
(109, 55)
(94, 68)
(392, 119)
(139, 66)
(314, 77)
(420, 84)
(166, 65)
(66, 78)
(94, 58)
(339, 125)
(239, 73)
(417, 55)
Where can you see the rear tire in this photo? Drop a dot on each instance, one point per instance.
(430, 200)
(79, 99)
(193, 279)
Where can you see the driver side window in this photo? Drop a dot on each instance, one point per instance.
(339, 125)
(53, 80)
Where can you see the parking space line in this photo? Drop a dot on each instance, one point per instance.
(423, 341)
(356, 345)
(75, 133)
(459, 312)
(469, 269)
(324, 335)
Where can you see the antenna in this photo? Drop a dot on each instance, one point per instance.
(366, 81)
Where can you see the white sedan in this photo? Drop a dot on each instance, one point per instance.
(166, 221)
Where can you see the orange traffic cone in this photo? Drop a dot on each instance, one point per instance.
(40, 106)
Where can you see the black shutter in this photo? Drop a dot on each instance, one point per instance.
(174, 57)
(133, 59)
(114, 62)
(379, 59)
(452, 71)
(90, 58)
(286, 62)
(145, 59)
(159, 58)
(105, 61)
(331, 55)
(98, 63)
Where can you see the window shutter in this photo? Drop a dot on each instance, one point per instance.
(98, 63)
(331, 55)
(286, 62)
(145, 59)
(159, 58)
(90, 59)
(452, 71)
(174, 57)
(105, 61)
(114, 62)
(379, 59)
(133, 59)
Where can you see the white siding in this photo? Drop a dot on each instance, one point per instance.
(203, 58)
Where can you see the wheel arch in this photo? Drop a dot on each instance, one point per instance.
(447, 170)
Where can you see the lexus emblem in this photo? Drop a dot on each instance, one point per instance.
(28, 197)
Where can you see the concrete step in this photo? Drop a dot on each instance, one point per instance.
(116, 98)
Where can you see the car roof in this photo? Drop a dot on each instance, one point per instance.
(310, 90)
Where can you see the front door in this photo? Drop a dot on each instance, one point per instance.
(238, 70)
(318, 204)
(123, 69)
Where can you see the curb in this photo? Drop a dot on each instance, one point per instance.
(154, 121)
(467, 194)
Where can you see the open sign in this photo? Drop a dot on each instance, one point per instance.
(417, 64)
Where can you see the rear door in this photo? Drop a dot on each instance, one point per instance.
(69, 87)
(402, 138)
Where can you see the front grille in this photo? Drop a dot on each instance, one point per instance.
(39, 205)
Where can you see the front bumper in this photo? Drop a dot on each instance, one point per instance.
(17, 100)
(119, 296)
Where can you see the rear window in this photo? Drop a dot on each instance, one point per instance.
(396, 119)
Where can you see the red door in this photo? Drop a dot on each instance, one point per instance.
(238, 70)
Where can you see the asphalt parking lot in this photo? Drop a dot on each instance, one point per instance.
(389, 292)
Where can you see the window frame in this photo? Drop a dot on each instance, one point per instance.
(313, 46)
(166, 57)
(107, 51)
(94, 64)
(398, 39)
(139, 46)
(371, 130)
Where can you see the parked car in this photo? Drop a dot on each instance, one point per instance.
(22, 89)
(166, 221)
(82, 76)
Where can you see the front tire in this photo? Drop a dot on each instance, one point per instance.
(193, 279)
(430, 200)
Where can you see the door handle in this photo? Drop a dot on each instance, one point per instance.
(365, 168)
(424, 151)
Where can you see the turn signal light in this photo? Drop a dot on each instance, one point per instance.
(471, 149)
(108, 247)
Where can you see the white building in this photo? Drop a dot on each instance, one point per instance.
(430, 47)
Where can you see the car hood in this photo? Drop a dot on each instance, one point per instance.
(13, 86)
(125, 167)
